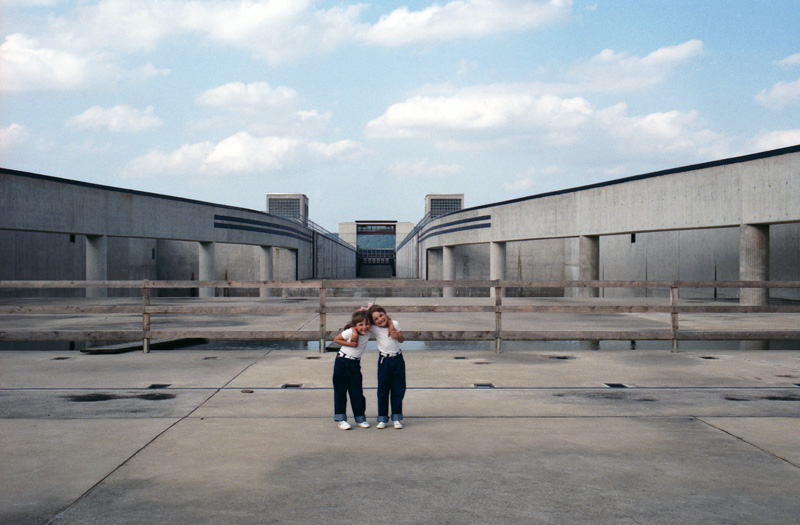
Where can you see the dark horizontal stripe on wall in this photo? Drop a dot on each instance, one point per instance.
(282, 233)
(227, 218)
(473, 227)
(429, 231)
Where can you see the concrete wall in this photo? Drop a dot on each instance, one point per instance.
(348, 233)
(698, 255)
(686, 221)
(334, 260)
(45, 221)
(746, 190)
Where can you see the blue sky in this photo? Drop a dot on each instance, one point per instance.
(368, 107)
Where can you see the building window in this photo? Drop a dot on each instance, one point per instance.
(444, 206)
(285, 208)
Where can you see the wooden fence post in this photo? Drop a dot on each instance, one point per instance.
(673, 303)
(146, 319)
(498, 320)
(322, 322)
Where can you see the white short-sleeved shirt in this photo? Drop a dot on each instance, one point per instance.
(354, 351)
(386, 344)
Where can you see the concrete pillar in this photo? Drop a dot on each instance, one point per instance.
(571, 265)
(207, 271)
(266, 271)
(497, 263)
(754, 262)
(449, 270)
(589, 263)
(96, 263)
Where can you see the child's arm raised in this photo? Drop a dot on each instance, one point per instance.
(394, 332)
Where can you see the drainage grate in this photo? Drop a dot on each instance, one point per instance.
(156, 386)
(616, 385)
(292, 385)
(60, 358)
(483, 385)
(707, 357)
(459, 357)
(312, 357)
(208, 358)
(561, 357)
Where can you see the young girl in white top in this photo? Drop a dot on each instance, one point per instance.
(347, 371)
(391, 367)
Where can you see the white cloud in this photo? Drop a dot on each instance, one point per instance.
(239, 153)
(612, 71)
(119, 118)
(260, 110)
(277, 30)
(777, 139)
(511, 117)
(117, 26)
(30, 65)
(482, 110)
(343, 149)
(29, 3)
(781, 95)
(282, 30)
(12, 135)
(147, 71)
(790, 61)
(464, 19)
(27, 66)
(237, 95)
(521, 184)
(424, 169)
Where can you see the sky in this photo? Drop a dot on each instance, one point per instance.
(368, 107)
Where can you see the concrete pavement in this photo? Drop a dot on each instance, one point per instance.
(210, 436)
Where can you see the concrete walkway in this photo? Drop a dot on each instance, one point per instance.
(202, 436)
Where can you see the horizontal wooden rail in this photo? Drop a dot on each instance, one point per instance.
(145, 309)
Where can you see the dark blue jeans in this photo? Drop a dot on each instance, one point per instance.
(347, 379)
(391, 387)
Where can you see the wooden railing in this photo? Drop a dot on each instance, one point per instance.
(209, 306)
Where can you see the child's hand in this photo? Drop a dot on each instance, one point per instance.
(392, 330)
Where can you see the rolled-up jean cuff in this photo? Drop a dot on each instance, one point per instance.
(397, 417)
(383, 419)
(360, 419)
(340, 417)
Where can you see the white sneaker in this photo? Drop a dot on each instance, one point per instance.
(344, 425)
(381, 424)
(398, 425)
(363, 424)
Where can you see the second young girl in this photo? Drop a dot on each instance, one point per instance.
(391, 367)
(347, 371)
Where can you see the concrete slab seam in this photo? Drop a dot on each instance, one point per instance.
(700, 419)
(137, 452)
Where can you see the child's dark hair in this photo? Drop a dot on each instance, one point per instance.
(358, 316)
(375, 308)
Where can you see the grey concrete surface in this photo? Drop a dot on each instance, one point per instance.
(697, 436)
